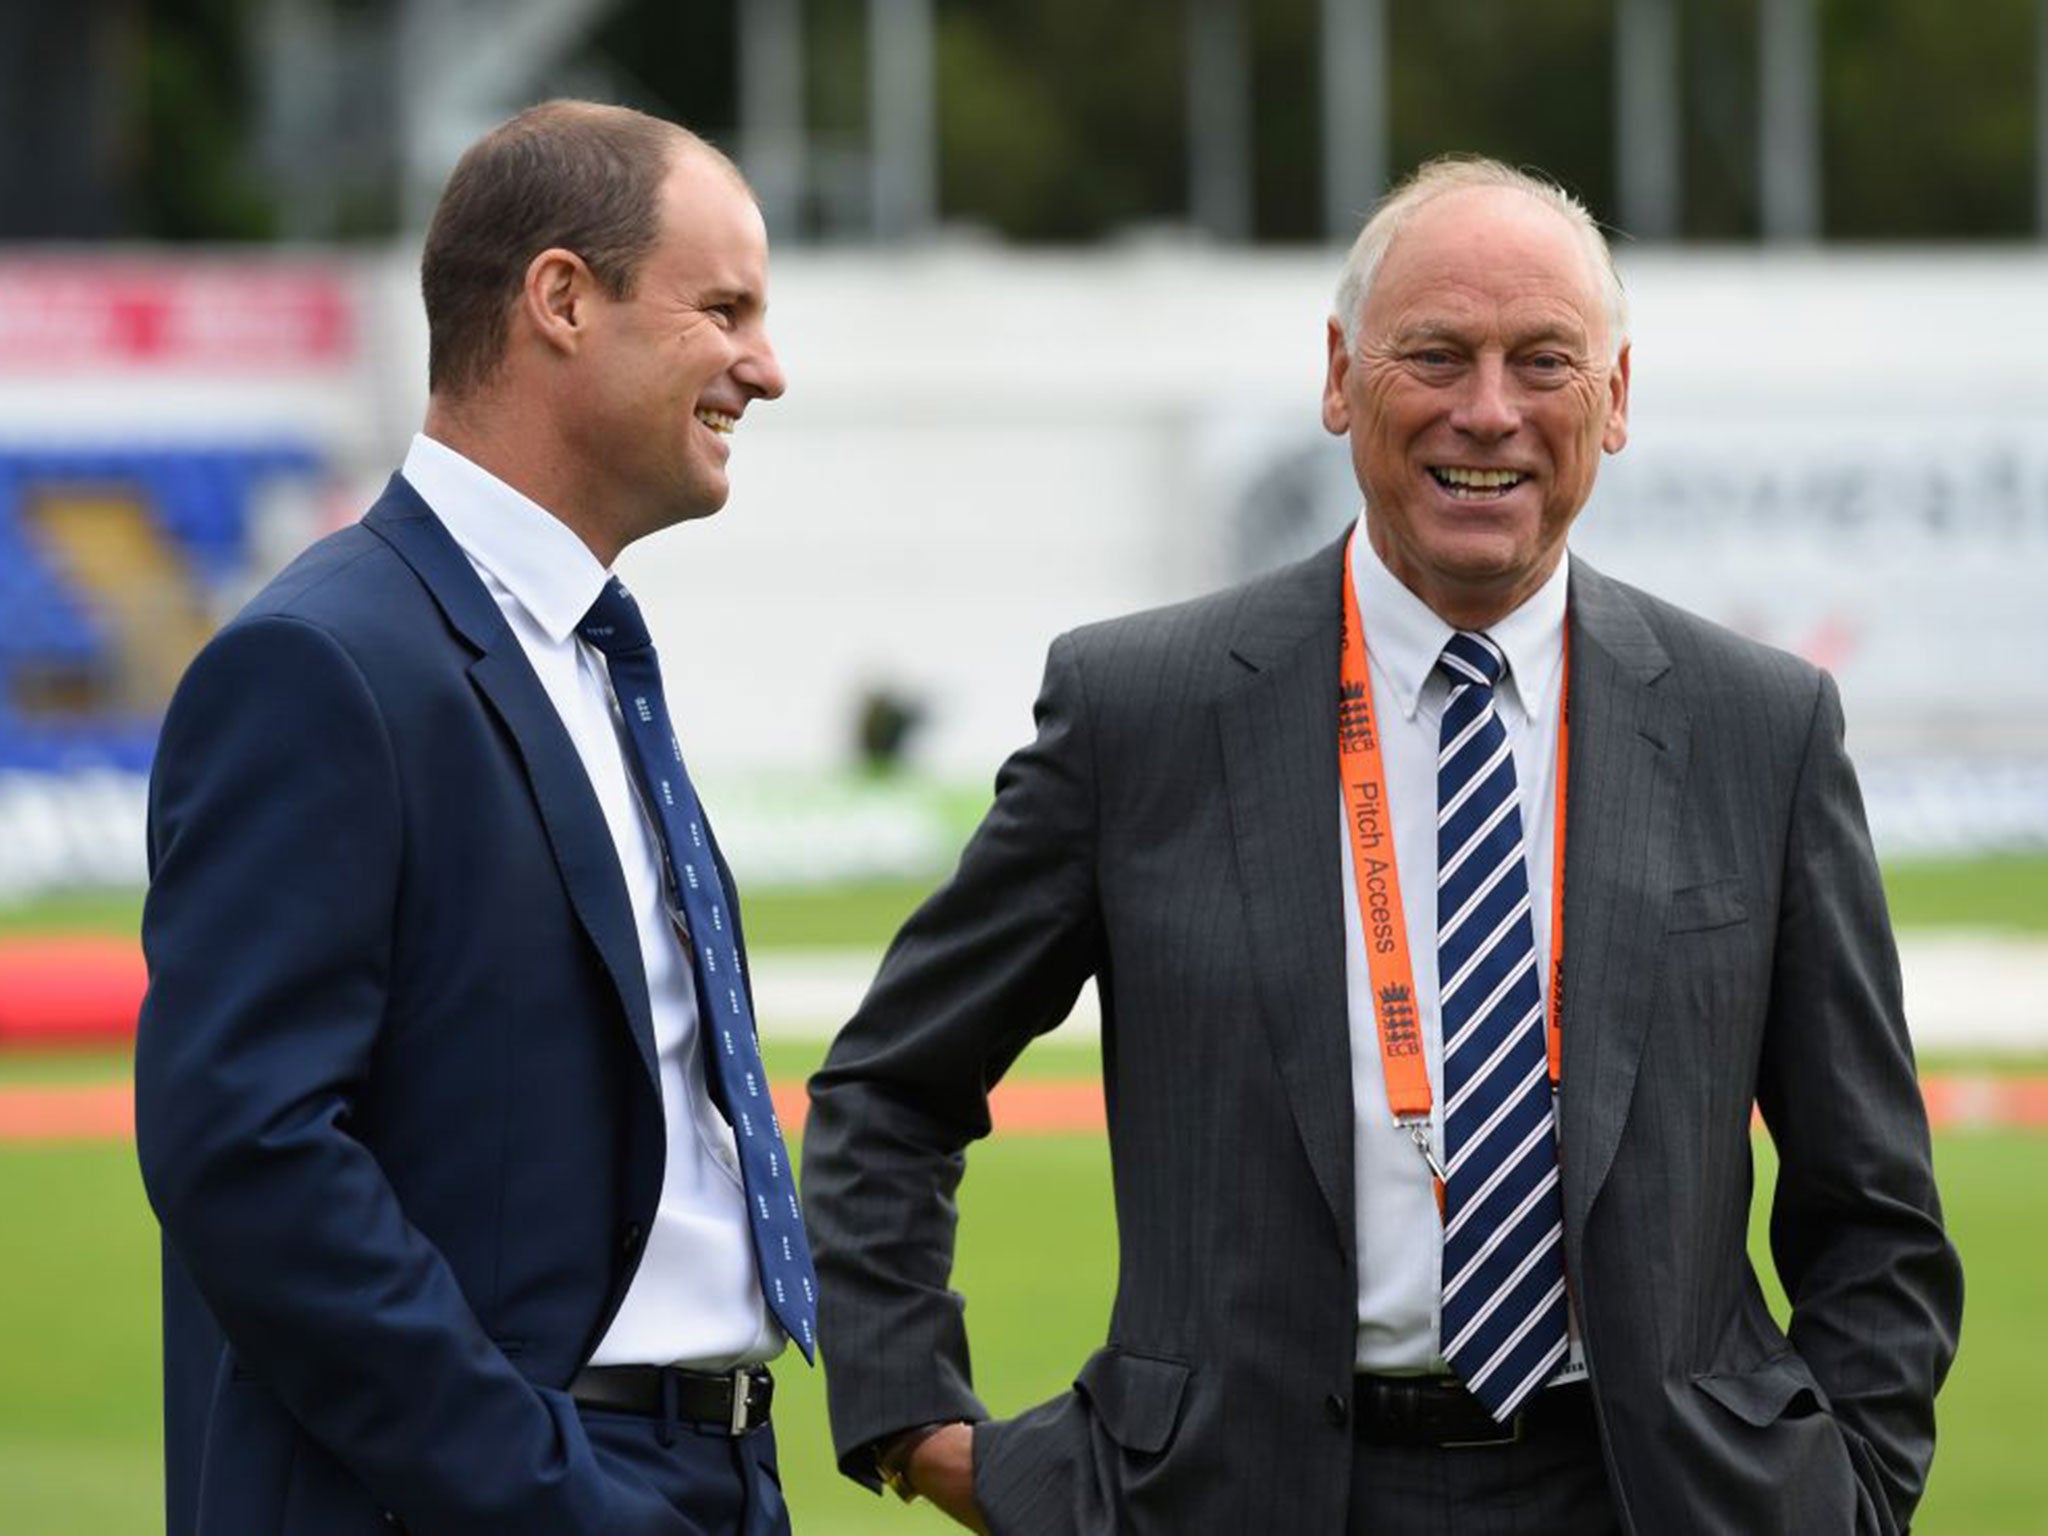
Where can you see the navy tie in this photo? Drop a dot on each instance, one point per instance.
(725, 1013)
(1504, 1328)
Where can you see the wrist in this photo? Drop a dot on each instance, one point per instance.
(892, 1456)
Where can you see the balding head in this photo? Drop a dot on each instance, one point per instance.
(1463, 173)
(574, 175)
(1480, 383)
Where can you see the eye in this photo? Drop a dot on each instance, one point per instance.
(1436, 358)
(727, 315)
(1547, 368)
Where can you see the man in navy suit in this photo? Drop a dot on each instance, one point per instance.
(456, 1238)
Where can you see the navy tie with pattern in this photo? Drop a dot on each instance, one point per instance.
(725, 1012)
(1504, 1310)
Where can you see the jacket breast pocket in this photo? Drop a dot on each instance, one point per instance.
(1135, 1398)
(1711, 904)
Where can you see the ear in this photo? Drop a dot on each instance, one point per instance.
(1614, 435)
(556, 298)
(1336, 409)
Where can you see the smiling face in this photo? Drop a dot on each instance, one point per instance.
(1479, 392)
(667, 371)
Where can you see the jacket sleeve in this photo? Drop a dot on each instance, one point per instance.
(277, 853)
(1856, 1231)
(992, 960)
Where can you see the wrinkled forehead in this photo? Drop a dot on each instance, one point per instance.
(1479, 246)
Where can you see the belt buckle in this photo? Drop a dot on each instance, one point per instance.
(1512, 1435)
(742, 1392)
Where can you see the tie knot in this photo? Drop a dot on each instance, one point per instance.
(614, 624)
(1472, 658)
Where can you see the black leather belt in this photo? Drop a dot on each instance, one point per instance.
(1438, 1411)
(733, 1401)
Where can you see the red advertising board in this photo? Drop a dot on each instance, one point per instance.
(203, 315)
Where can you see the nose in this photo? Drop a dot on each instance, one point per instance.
(1487, 409)
(760, 371)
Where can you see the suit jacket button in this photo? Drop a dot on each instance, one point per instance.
(630, 1238)
(1335, 1409)
(391, 1520)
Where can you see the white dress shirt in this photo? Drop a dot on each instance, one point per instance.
(1400, 1235)
(696, 1298)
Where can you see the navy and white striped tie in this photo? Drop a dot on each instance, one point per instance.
(725, 1012)
(1504, 1329)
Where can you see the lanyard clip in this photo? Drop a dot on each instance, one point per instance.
(1418, 1132)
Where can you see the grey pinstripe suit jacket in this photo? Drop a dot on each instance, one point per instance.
(1174, 830)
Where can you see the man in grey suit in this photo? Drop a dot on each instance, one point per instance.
(1452, 906)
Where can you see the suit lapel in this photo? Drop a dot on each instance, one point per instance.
(1628, 765)
(575, 825)
(1629, 750)
(1279, 729)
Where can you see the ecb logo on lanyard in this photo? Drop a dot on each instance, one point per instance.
(1397, 1017)
(1354, 719)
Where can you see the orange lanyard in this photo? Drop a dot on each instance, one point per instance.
(1368, 819)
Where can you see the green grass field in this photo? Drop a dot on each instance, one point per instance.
(79, 1430)
(2008, 893)
(79, 1435)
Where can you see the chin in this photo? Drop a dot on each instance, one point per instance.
(1479, 557)
(700, 499)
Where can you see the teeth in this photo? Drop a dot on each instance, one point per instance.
(1479, 479)
(717, 421)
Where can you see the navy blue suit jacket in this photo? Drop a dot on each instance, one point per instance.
(396, 1102)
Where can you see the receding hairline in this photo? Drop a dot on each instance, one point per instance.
(684, 143)
(1440, 179)
(588, 177)
(691, 146)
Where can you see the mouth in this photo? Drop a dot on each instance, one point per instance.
(717, 421)
(1476, 484)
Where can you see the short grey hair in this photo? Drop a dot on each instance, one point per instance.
(1461, 173)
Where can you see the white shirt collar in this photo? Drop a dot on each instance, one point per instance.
(1404, 636)
(531, 552)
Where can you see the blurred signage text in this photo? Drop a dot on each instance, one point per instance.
(187, 315)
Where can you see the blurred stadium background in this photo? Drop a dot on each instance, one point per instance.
(1049, 283)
